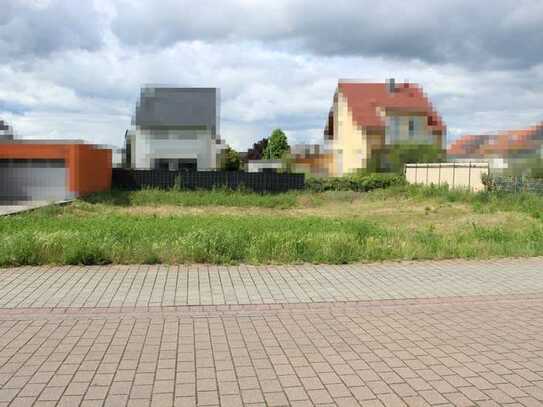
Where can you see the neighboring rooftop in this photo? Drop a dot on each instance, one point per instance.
(511, 141)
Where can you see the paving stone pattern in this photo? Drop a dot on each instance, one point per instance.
(129, 286)
(382, 335)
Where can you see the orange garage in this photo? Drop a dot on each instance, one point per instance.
(41, 170)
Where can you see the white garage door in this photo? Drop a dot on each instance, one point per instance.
(33, 180)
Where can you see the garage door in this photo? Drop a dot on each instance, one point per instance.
(33, 180)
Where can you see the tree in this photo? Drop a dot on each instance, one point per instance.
(230, 160)
(277, 145)
(257, 152)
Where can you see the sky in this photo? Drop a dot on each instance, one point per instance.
(74, 68)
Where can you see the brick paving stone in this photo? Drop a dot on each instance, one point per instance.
(415, 401)
(417, 334)
(128, 286)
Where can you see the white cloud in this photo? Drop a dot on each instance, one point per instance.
(260, 55)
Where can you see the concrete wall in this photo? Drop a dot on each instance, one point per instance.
(455, 175)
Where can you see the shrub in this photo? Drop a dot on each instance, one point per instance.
(489, 182)
(358, 183)
(230, 160)
(404, 153)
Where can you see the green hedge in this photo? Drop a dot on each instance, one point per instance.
(360, 183)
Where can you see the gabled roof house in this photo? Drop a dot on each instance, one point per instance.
(367, 118)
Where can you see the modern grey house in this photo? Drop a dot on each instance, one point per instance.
(175, 129)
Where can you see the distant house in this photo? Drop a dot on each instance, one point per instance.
(367, 118)
(6, 132)
(311, 159)
(513, 152)
(265, 165)
(175, 129)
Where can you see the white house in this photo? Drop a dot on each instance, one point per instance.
(6, 132)
(175, 129)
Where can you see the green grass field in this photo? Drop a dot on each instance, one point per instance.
(398, 223)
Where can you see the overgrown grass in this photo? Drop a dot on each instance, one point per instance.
(218, 197)
(61, 237)
(100, 231)
(482, 202)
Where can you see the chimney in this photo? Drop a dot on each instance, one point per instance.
(391, 85)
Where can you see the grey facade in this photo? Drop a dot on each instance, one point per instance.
(183, 108)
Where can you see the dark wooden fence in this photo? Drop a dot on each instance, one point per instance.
(516, 184)
(255, 181)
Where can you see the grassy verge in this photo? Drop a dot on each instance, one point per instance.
(398, 223)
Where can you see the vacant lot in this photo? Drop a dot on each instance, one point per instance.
(231, 227)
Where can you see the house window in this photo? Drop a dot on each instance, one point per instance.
(392, 130)
(411, 128)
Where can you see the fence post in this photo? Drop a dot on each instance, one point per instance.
(469, 176)
(427, 169)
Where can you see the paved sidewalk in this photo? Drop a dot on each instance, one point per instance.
(11, 209)
(129, 286)
(432, 333)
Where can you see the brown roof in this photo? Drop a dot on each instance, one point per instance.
(365, 98)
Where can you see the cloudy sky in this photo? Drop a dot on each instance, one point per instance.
(73, 68)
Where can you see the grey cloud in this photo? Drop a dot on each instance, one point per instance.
(504, 33)
(36, 29)
(277, 63)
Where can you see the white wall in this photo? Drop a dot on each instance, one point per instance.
(455, 175)
(259, 165)
(177, 144)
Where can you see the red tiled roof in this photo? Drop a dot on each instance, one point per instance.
(364, 99)
(468, 144)
(503, 143)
